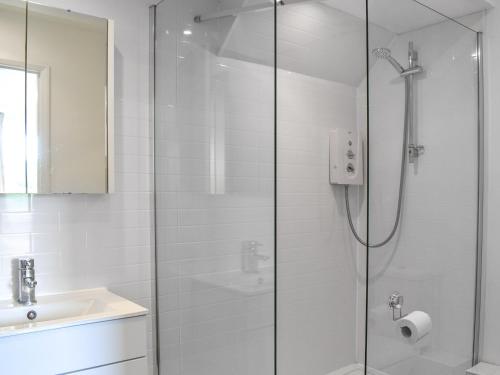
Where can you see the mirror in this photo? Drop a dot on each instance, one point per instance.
(55, 101)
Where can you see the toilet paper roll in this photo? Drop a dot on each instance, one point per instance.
(415, 326)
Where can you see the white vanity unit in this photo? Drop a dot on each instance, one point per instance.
(88, 332)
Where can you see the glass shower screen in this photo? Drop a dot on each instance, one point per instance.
(429, 267)
(214, 167)
(312, 163)
(321, 88)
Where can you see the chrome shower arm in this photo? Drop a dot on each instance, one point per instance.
(395, 64)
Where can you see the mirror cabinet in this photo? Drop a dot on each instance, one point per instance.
(56, 101)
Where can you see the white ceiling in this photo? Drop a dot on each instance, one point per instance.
(313, 39)
(326, 39)
(400, 16)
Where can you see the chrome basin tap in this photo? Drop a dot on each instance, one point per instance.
(250, 257)
(27, 282)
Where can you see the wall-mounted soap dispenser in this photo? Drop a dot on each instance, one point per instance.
(346, 157)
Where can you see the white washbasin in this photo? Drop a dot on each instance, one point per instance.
(64, 310)
(239, 282)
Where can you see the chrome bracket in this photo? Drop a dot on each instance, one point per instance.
(415, 151)
(396, 301)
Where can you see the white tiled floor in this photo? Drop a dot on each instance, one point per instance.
(355, 369)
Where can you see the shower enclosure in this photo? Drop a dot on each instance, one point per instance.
(262, 266)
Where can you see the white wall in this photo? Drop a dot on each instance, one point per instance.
(490, 350)
(13, 33)
(85, 241)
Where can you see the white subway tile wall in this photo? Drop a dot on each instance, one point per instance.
(86, 241)
(316, 254)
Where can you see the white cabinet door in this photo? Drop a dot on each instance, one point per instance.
(134, 367)
(79, 347)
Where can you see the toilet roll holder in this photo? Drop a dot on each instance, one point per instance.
(396, 301)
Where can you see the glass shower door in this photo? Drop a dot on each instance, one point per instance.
(321, 88)
(429, 266)
(214, 168)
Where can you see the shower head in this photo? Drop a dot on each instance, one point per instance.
(382, 53)
(385, 53)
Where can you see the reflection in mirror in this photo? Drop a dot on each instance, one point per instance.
(67, 117)
(13, 176)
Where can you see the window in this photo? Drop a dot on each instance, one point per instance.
(18, 134)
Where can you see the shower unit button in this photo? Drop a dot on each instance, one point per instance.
(346, 161)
